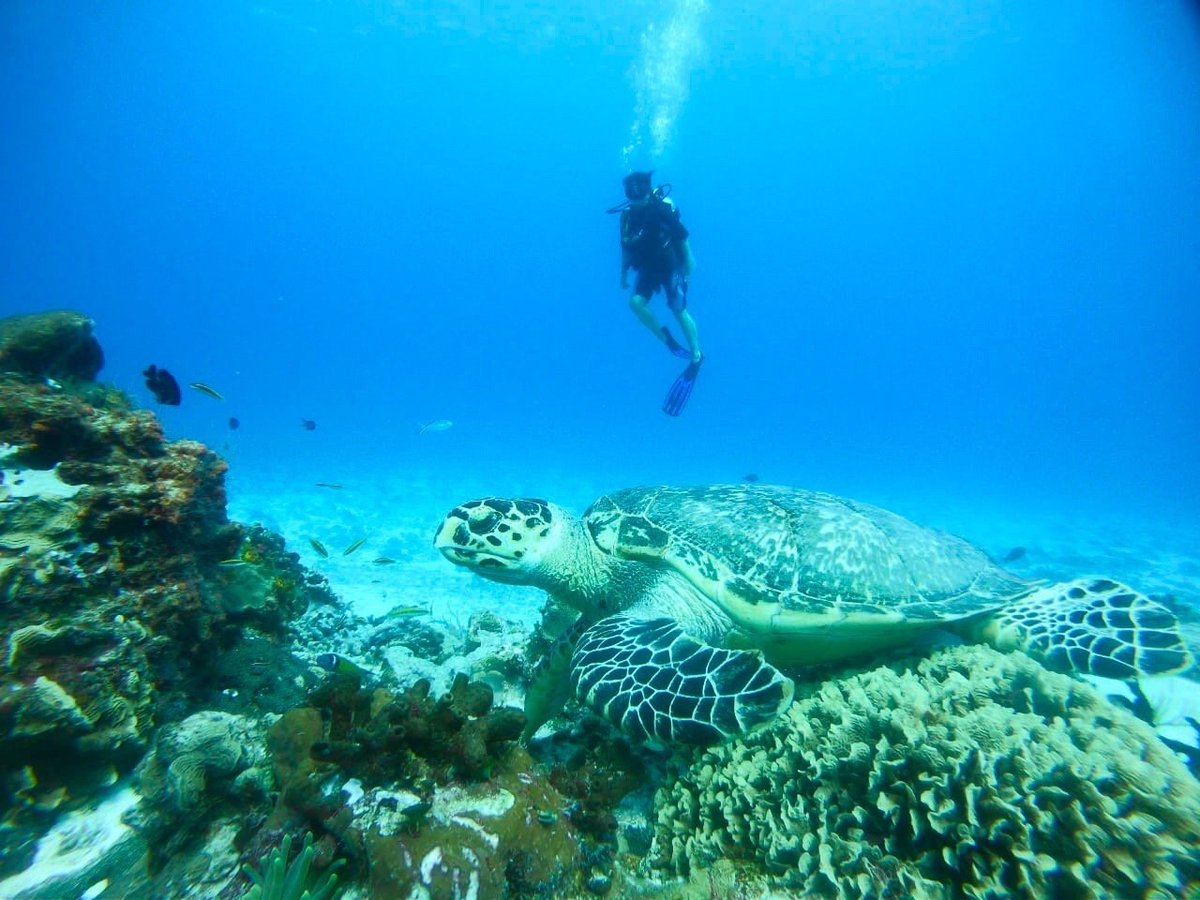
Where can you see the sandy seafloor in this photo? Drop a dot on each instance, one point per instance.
(398, 508)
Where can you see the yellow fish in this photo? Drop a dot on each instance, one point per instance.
(404, 612)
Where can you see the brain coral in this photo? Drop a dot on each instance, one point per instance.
(969, 774)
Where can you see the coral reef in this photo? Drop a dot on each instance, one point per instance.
(439, 800)
(280, 881)
(595, 767)
(496, 839)
(414, 736)
(121, 577)
(195, 765)
(970, 773)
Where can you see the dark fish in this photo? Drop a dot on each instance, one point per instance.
(1014, 554)
(205, 389)
(234, 424)
(354, 546)
(750, 477)
(332, 485)
(319, 547)
(383, 561)
(309, 424)
(417, 810)
(163, 386)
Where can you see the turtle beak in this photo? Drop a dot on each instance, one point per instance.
(459, 542)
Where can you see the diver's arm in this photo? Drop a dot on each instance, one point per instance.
(625, 263)
(687, 260)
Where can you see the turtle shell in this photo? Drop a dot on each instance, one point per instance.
(766, 554)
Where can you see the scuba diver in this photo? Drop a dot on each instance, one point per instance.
(654, 242)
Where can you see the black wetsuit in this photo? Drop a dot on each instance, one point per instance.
(652, 238)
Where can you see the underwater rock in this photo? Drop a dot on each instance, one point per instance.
(1170, 704)
(55, 345)
(90, 846)
(970, 773)
(500, 838)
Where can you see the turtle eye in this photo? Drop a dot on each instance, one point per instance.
(486, 523)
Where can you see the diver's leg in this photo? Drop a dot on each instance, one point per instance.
(641, 308)
(690, 333)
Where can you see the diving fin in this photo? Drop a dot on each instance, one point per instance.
(674, 346)
(681, 390)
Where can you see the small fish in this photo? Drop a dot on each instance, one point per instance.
(231, 563)
(354, 545)
(319, 548)
(234, 424)
(52, 384)
(205, 389)
(339, 665)
(1014, 554)
(309, 424)
(163, 386)
(383, 561)
(436, 425)
(750, 477)
(417, 810)
(406, 612)
(547, 817)
(332, 485)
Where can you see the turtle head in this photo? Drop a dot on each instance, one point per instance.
(502, 540)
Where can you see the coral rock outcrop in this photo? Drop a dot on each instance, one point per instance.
(121, 577)
(970, 773)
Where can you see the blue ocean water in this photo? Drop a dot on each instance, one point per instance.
(948, 262)
(944, 249)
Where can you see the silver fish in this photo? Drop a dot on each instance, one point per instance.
(436, 425)
(205, 389)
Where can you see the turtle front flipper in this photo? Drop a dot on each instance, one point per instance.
(653, 681)
(550, 687)
(1094, 626)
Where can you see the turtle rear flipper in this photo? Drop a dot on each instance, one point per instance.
(653, 681)
(1094, 626)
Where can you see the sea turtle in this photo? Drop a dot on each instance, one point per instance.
(690, 596)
